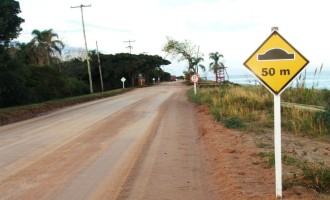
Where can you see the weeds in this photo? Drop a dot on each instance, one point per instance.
(234, 123)
(268, 159)
(311, 175)
(316, 176)
(250, 107)
(18, 113)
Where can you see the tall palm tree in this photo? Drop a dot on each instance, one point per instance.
(216, 64)
(44, 45)
(195, 63)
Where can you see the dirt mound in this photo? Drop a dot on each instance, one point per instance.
(238, 170)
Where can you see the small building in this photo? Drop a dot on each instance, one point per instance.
(141, 80)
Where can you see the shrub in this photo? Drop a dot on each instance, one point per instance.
(323, 118)
(234, 123)
(316, 176)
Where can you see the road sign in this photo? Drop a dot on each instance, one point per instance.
(276, 63)
(123, 80)
(194, 78)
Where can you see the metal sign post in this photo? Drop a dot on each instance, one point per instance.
(278, 145)
(275, 64)
(194, 78)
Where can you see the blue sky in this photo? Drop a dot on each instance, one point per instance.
(234, 28)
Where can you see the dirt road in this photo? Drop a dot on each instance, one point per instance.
(139, 145)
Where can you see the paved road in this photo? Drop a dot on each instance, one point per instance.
(139, 145)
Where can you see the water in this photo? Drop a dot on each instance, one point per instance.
(319, 81)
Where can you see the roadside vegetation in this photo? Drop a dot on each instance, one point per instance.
(44, 69)
(19, 113)
(250, 109)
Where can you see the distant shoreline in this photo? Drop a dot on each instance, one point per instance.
(319, 81)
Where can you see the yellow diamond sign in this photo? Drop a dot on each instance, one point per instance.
(276, 63)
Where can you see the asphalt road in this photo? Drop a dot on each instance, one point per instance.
(138, 145)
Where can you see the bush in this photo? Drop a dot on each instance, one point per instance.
(74, 87)
(323, 118)
(12, 89)
(234, 123)
(316, 176)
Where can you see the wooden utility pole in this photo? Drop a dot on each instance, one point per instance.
(197, 58)
(100, 70)
(86, 49)
(129, 45)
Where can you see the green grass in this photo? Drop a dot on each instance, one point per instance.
(14, 114)
(316, 176)
(310, 175)
(251, 108)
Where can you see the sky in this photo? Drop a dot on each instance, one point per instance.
(234, 28)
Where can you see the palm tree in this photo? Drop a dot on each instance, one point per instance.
(44, 46)
(195, 63)
(216, 65)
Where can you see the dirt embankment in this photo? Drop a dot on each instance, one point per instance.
(238, 170)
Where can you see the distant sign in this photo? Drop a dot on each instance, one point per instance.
(276, 63)
(123, 80)
(194, 78)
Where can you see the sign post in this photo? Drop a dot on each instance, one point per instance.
(123, 80)
(275, 64)
(194, 78)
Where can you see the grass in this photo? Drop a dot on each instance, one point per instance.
(18, 113)
(316, 176)
(251, 107)
(311, 175)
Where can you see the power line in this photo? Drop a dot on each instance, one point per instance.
(129, 45)
(86, 49)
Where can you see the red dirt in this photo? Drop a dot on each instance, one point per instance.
(237, 169)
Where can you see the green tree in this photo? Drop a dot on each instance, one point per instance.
(216, 64)
(184, 50)
(196, 62)
(9, 21)
(45, 47)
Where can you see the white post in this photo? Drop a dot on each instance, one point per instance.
(277, 143)
(195, 88)
(123, 85)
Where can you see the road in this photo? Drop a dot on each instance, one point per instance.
(138, 145)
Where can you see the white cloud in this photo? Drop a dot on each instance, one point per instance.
(234, 28)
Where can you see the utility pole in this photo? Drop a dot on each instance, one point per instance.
(100, 70)
(86, 49)
(197, 58)
(129, 45)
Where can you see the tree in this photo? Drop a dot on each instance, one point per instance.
(184, 50)
(44, 47)
(196, 62)
(9, 21)
(216, 65)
